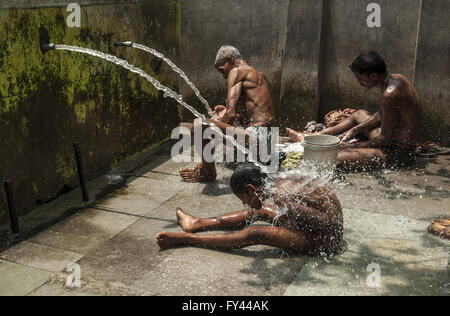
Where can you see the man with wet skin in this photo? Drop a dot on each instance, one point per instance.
(250, 106)
(309, 218)
(392, 132)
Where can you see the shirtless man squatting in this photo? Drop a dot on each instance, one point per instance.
(392, 132)
(250, 106)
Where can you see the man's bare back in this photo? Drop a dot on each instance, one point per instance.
(402, 95)
(256, 104)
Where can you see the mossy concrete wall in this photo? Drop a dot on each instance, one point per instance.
(300, 73)
(49, 101)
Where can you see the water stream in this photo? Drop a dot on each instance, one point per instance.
(167, 92)
(176, 69)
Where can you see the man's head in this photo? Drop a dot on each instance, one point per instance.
(226, 59)
(368, 68)
(247, 182)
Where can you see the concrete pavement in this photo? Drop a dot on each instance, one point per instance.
(112, 239)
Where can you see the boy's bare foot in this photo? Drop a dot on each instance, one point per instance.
(440, 227)
(186, 221)
(168, 240)
(201, 173)
(295, 136)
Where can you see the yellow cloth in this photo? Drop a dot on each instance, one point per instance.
(292, 161)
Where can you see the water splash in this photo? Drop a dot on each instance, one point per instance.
(176, 69)
(166, 90)
(308, 177)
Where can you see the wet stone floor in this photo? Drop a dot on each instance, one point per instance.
(112, 239)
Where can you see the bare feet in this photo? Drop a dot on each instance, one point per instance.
(203, 172)
(440, 227)
(186, 221)
(168, 240)
(295, 136)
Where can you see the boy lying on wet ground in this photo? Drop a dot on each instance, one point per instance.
(309, 218)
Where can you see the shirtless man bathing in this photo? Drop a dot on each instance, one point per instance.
(250, 105)
(392, 132)
(311, 220)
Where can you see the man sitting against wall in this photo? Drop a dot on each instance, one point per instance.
(250, 107)
(392, 132)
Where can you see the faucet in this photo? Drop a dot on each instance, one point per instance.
(125, 44)
(47, 47)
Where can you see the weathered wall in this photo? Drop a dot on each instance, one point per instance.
(48, 101)
(432, 73)
(300, 78)
(256, 27)
(347, 34)
(322, 37)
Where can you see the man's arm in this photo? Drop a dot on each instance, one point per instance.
(234, 92)
(389, 116)
(371, 123)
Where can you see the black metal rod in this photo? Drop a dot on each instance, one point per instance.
(47, 47)
(12, 207)
(81, 174)
(124, 44)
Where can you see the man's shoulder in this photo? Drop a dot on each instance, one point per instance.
(396, 84)
(240, 73)
(390, 93)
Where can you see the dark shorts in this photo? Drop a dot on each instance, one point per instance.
(399, 156)
(325, 241)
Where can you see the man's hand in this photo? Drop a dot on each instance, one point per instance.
(218, 111)
(349, 135)
(220, 108)
(345, 145)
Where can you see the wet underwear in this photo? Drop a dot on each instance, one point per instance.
(399, 155)
(264, 137)
(325, 241)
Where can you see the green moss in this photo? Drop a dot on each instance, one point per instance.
(65, 168)
(48, 101)
(80, 112)
(25, 126)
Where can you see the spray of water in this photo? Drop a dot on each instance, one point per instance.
(167, 91)
(309, 176)
(176, 69)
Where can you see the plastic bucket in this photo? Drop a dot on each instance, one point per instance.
(322, 149)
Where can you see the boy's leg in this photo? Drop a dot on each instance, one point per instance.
(257, 235)
(360, 158)
(232, 221)
(353, 120)
(295, 136)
